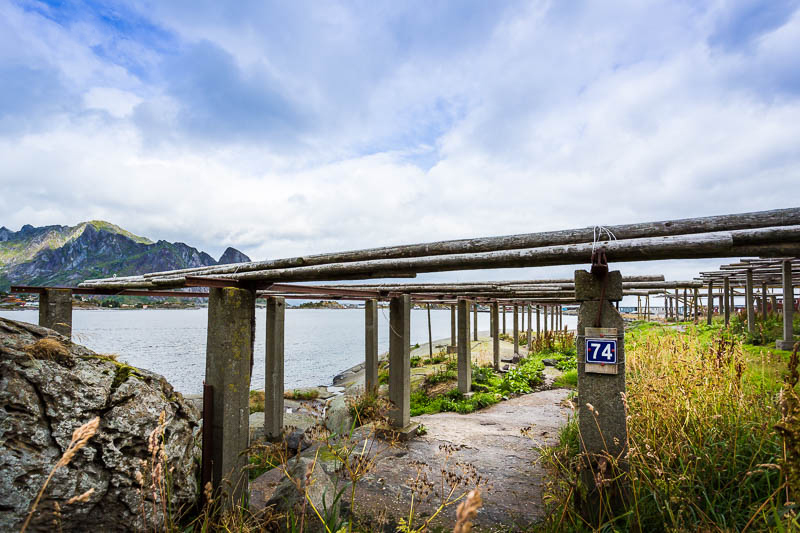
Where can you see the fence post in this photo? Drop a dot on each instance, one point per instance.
(601, 386)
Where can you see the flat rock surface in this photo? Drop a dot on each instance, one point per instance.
(491, 441)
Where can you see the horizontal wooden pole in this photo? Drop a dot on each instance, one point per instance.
(760, 219)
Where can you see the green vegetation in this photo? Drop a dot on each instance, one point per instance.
(714, 438)
(488, 387)
(567, 380)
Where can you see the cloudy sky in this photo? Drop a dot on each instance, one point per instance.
(284, 128)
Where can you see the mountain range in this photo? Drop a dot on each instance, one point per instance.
(67, 255)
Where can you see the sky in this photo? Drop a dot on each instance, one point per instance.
(286, 128)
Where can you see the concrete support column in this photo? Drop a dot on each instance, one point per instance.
(274, 375)
(504, 320)
(529, 337)
(773, 299)
(677, 306)
(496, 335)
(601, 413)
(538, 322)
(400, 360)
(647, 306)
(453, 338)
(229, 349)
(371, 345)
(475, 322)
(685, 304)
(516, 329)
(464, 347)
(748, 299)
(764, 300)
(55, 310)
(710, 302)
(788, 308)
(545, 311)
(726, 291)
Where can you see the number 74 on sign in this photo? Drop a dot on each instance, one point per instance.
(603, 351)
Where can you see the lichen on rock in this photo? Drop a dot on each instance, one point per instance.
(50, 386)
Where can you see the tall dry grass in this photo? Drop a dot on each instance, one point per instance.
(704, 453)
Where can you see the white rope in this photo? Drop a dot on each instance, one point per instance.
(597, 232)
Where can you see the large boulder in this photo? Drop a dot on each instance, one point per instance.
(48, 388)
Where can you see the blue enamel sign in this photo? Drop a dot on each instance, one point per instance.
(602, 351)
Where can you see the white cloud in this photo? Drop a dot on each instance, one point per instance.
(537, 118)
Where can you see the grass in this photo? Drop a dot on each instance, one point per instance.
(488, 388)
(704, 451)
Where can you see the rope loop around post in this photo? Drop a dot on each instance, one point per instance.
(599, 269)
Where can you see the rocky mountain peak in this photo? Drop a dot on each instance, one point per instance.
(232, 255)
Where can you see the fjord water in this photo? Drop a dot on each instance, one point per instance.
(319, 343)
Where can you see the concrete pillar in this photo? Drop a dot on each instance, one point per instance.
(538, 322)
(453, 338)
(400, 360)
(788, 308)
(647, 306)
(773, 299)
(55, 310)
(710, 302)
(726, 291)
(748, 301)
(475, 322)
(496, 335)
(677, 308)
(504, 320)
(696, 304)
(529, 337)
(516, 329)
(273, 377)
(464, 347)
(371, 345)
(601, 414)
(545, 311)
(764, 300)
(229, 349)
(685, 305)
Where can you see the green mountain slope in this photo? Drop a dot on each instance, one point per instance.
(66, 255)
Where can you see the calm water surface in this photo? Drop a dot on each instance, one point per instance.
(319, 343)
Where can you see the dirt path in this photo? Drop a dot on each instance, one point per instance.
(491, 441)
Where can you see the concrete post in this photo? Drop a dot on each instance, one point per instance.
(504, 320)
(475, 322)
(545, 311)
(685, 305)
(764, 300)
(696, 304)
(400, 360)
(516, 329)
(529, 337)
(647, 306)
(726, 291)
(229, 348)
(748, 299)
(788, 308)
(496, 335)
(773, 299)
(55, 310)
(371, 345)
(464, 347)
(710, 302)
(538, 322)
(453, 338)
(601, 415)
(273, 377)
(677, 308)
